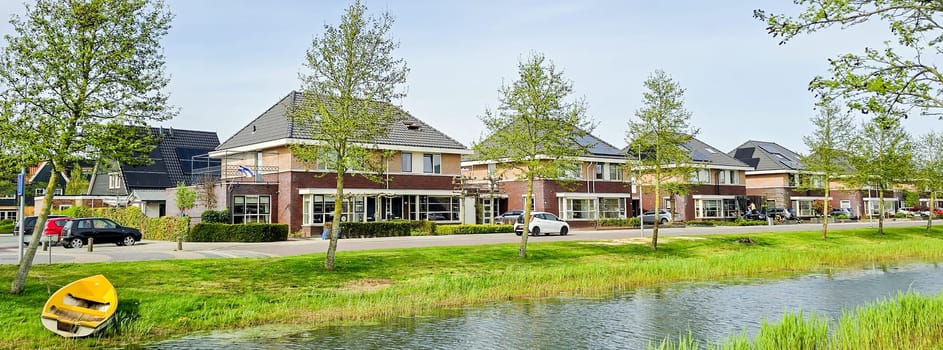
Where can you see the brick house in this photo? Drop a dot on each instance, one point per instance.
(599, 191)
(261, 181)
(717, 192)
(775, 183)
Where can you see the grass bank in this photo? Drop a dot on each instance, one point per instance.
(162, 299)
(909, 321)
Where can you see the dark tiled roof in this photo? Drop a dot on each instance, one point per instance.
(275, 124)
(598, 147)
(767, 156)
(704, 153)
(167, 168)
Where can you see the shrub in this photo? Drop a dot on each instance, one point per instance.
(165, 228)
(620, 222)
(705, 223)
(745, 222)
(420, 227)
(842, 217)
(215, 216)
(472, 229)
(375, 229)
(214, 232)
(900, 215)
(162, 228)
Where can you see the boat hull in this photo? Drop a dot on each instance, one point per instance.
(81, 308)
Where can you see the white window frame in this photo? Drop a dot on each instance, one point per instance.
(114, 181)
(615, 171)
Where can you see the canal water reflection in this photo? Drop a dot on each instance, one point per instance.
(710, 311)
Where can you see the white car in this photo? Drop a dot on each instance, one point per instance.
(542, 222)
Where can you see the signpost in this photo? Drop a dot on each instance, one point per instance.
(20, 212)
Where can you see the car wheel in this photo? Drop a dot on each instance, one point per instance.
(76, 243)
(663, 221)
(519, 233)
(563, 231)
(128, 241)
(535, 231)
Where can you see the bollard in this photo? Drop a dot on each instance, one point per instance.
(179, 243)
(91, 241)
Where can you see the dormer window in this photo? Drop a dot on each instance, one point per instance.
(114, 181)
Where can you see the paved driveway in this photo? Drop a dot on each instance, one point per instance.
(161, 250)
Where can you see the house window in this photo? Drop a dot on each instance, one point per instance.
(57, 192)
(407, 162)
(64, 206)
(432, 163)
(319, 209)
(803, 207)
(533, 203)
(573, 173)
(599, 171)
(615, 172)
(845, 204)
(8, 215)
(252, 209)
(40, 191)
(492, 169)
(439, 208)
(708, 208)
(702, 176)
(579, 209)
(611, 208)
(729, 177)
(114, 181)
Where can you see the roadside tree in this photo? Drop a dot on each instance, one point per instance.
(657, 141)
(186, 197)
(890, 80)
(882, 158)
(828, 149)
(928, 169)
(535, 129)
(81, 79)
(346, 103)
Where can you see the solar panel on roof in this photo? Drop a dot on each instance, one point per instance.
(770, 148)
(697, 156)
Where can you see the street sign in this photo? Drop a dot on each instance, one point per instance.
(19, 184)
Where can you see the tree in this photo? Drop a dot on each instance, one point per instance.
(882, 158)
(81, 79)
(78, 184)
(891, 80)
(207, 192)
(827, 148)
(928, 168)
(657, 141)
(346, 99)
(186, 197)
(535, 129)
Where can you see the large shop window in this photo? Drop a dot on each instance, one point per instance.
(611, 208)
(319, 209)
(716, 208)
(439, 208)
(252, 209)
(580, 209)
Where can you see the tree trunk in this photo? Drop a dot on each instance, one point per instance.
(20, 281)
(528, 199)
(825, 210)
(881, 209)
(657, 219)
(932, 204)
(336, 230)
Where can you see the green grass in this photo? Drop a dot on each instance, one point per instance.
(909, 321)
(162, 299)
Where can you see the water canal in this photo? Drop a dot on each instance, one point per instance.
(711, 311)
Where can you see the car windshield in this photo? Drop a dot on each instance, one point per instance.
(650, 212)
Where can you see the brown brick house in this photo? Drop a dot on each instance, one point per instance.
(262, 182)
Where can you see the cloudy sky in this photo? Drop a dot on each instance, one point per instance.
(231, 60)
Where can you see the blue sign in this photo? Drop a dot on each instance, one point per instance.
(19, 184)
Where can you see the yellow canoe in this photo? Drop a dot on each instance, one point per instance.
(81, 308)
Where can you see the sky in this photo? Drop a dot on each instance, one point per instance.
(231, 60)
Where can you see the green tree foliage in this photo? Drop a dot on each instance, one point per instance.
(891, 80)
(80, 79)
(186, 197)
(928, 168)
(657, 141)
(78, 183)
(882, 158)
(828, 148)
(535, 129)
(346, 107)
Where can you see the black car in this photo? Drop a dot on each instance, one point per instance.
(754, 215)
(76, 233)
(29, 224)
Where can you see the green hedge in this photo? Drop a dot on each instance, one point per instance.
(704, 223)
(215, 216)
(166, 228)
(472, 229)
(6, 226)
(375, 229)
(620, 222)
(215, 232)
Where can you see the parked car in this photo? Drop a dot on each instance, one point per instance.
(29, 223)
(76, 232)
(54, 226)
(779, 212)
(842, 211)
(754, 215)
(664, 217)
(542, 222)
(508, 216)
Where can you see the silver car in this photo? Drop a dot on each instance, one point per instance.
(664, 217)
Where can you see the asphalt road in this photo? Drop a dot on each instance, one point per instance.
(162, 250)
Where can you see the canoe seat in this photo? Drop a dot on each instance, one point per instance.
(88, 299)
(77, 313)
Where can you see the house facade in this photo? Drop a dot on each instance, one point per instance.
(599, 190)
(717, 187)
(262, 181)
(779, 180)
